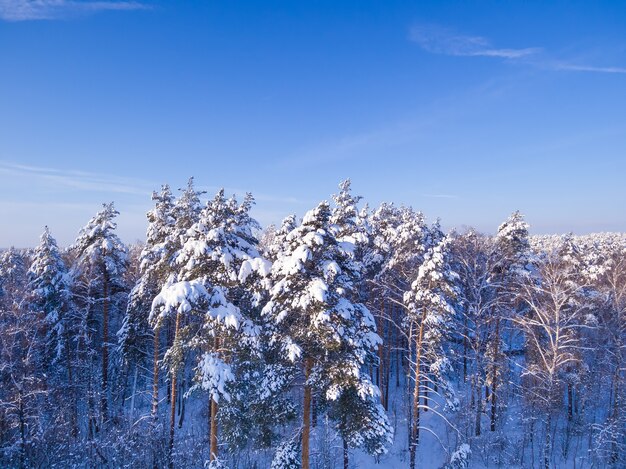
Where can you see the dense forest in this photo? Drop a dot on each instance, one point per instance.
(349, 337)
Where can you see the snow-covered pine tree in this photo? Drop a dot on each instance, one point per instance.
(478, 298)
(379, 292)
(273, 248)
(430, 310)
(13, 278)
(23, 378)
(400, 238)
(317, 321)
(345, 218)
(101, 259)
(185, 213)
(362, 423)
(512, 254)
(258, 401)
(155, 266)
(217, 259)
(50, 285)
(513, 244)
(287, 454)
(186, 210)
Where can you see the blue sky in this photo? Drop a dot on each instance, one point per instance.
(464, 110)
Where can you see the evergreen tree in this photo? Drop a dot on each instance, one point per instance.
(155, 266)
(101, 260)
(216, 262)
(345, 218)
(512, 254)
(13, 278)
(430, 310)
(316, 321)
(49, 283)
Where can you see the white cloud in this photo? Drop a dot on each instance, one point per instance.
(586, 68)
(24, 10)
(438, 40)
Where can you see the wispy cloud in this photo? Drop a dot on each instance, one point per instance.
(439, 40)
(78, 180)
(25, 10)
(585, 68)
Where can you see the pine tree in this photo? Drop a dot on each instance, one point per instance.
(49, 283)
(155, 266)
(512, 253)
(13, 278)
(345, 218)
(273, 248)
(51, 288)
(478, 298)
(430, 309)
(317, 322)
(101, 259)
(217, 259)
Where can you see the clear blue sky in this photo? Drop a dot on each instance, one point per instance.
(464, 110)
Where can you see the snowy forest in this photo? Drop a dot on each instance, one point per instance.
(347, 337)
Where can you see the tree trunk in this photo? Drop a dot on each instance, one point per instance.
(616, 409)
(547, 443)
(181, 413)
(570, 403)
(465, 346)
(213, 452)
(155, 376)
(479, 410)
(416, 393)
(71, 388)
(387, 375)
(345, 454)
(172, 420)
(91, 420)
(314, 399)
(381, 355)
(173, 381)
(306, 417)
(493, 410)
(209, 412)
(494, 377)
(214, 409)
(398, 359)
(105, 347)
(22, 431)
(132, 397)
